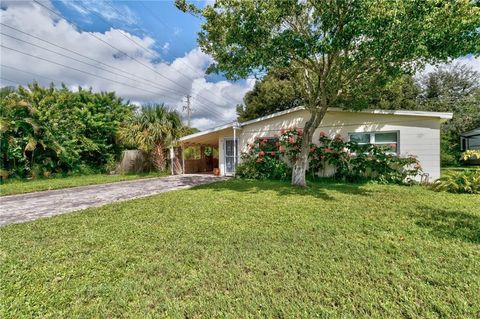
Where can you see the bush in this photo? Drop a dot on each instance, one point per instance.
(263, 161)
(351, 161)
(471, 155)
(467, 181)
(271, 158)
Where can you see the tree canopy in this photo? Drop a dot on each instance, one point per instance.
(339, 49)
(50, 130)
(275, 92)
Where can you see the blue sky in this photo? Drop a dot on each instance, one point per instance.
(174, 31)
(144, 51)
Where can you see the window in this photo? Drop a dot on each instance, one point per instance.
(386, 139)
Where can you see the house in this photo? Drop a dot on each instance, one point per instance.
(470, 140)
(407, 132)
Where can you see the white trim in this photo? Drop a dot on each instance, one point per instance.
(441, 115)
(212, 130)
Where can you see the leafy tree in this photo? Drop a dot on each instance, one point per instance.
(454, 88)
(152, 129)
(50, 130)
(275, 92)
(339, 49)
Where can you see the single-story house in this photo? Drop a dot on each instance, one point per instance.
(411, 132)
(470, 140)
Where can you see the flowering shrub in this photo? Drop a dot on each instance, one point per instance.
(263, 161)
(272, 158)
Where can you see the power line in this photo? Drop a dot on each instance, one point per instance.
(78, 70)
(130, 39)
(69, 57)
(117, 49)
(149, 50)
(147, 81)
(27, 72)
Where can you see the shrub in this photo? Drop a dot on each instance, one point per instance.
(351, 161)
(263, 161)
(271, 158)
(471, 155)
(467, 181)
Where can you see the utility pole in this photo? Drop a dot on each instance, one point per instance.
(188, 108)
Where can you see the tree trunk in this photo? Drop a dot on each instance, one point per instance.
(158, 158)
(301, 163)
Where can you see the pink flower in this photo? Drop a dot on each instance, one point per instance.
(259, 160)
(328, 150)
(265, 140)
(281, 150)
(282, 131)
(291, 140)
(261, 153)
(273, 153)
(277, 144)
(299, 131)
(323, 134)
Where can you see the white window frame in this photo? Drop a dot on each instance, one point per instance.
(372, 139)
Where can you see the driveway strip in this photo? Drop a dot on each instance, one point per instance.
(31, 206)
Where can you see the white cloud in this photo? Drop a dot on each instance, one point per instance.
(213, 103)
(107, 9)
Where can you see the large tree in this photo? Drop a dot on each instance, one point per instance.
(275, 92)
(341, 49)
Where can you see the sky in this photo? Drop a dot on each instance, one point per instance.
(145, 51)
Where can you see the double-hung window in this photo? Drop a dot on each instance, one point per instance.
(389, 140)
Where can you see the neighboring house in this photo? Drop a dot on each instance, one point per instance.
(410, 132)
(470, 140)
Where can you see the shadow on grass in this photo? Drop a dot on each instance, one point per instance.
(449, 223)
(321, 190)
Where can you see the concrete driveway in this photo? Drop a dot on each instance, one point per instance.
(26, 207)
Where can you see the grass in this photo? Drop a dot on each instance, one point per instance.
(242, 249)
(15, 186)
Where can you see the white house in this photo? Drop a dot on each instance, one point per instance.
(413, 132)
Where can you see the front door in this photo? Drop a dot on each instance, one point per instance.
(231, 156)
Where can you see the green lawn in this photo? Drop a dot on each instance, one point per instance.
(251, 249)
(12, 187)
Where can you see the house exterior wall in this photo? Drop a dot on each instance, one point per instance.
(418, 135)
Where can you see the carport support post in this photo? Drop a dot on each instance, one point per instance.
(183, 160)
(172, 159)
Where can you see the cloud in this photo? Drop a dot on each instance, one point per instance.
(107, 9)
(142, 81)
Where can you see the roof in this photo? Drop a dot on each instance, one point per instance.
(441, 115)
(472, 132)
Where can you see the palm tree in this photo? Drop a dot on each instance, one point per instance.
(152, 130)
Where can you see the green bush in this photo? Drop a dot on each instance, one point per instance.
(351, 161)
(48, 131)
(467, 181)
(270, 158)
(263, 162)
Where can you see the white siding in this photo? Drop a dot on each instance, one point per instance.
(419, 136)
